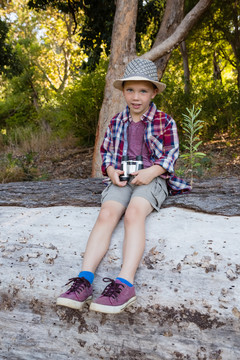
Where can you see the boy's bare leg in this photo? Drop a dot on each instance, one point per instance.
(100, 237)
(134, 240)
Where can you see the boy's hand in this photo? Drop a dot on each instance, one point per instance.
(145, 176)
(114, 176)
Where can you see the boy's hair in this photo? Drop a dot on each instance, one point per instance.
(140, 70)
(154, 86)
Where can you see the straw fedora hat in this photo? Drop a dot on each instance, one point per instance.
(140, 69)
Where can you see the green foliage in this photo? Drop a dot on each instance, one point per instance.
(220, 110)
(17, 109)
(65, 6)
(220, 106)
(214, 77)
(80, 105)
(150, 14)
(220, 31)
(4, 48)
(191, 128)
(98, 22)
(218, 98)
(9, 62)
(96, 29)
(74, 111)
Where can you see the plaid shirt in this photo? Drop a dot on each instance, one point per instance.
(160, 137)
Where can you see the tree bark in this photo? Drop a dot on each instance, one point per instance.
(187, 287)
(186, 70)
(173, 15)
(123, 50)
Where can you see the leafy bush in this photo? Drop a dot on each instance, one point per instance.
(74, 112)
(79, 107)
(220, 107)
(218, 98)
(220, 110)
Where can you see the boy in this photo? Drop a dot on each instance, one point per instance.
(143, 130)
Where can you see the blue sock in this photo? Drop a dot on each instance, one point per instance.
(88, 275)
(124, 281)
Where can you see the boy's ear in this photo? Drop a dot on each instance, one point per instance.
(155, 93)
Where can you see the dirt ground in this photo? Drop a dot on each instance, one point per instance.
(73, 162)
(224, 156)
(222, 159)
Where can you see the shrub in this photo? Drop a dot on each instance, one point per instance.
(79, 107)
(191, 128)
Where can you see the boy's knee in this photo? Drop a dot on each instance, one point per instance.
(132, 214)
(108, 214)
(105, 215)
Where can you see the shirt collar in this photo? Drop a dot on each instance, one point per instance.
(125, 114)
(150, 113)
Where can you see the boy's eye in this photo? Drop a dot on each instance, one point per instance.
(131, 90)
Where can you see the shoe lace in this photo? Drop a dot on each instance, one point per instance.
(79, 284)
(113, 289)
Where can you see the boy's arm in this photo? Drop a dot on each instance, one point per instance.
(106, 151)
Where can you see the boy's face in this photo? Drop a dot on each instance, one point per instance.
(138, 95)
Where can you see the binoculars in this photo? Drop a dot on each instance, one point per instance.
(130, 166)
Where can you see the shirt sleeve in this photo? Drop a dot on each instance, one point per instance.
(106, 150)
(169, 147)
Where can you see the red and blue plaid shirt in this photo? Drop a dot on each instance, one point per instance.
(160, 137)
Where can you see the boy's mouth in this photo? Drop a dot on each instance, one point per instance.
(136, 106)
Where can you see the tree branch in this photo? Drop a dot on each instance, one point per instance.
(46, 77)
(180, 33)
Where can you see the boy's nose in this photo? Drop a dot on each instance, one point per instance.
(135, 95)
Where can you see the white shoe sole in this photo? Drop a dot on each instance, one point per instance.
(77, 305)
(111, 309)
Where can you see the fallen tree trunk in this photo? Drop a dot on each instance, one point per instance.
(214, 196)
(187, 288)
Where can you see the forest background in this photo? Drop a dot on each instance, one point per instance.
(54, 57)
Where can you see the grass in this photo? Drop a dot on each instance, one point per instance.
(21, 150)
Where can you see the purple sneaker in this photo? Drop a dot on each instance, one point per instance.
(115, 297)
(79, 293)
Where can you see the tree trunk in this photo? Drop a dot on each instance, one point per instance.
(186, 70)
(236, 42)
(187, 287)
(236, 50)
(35, 98)
(173, 15)
(123, 49)
(216, 68)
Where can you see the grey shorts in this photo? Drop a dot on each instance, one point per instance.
(155, 192)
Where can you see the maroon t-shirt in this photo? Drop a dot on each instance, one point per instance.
(136, 145)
